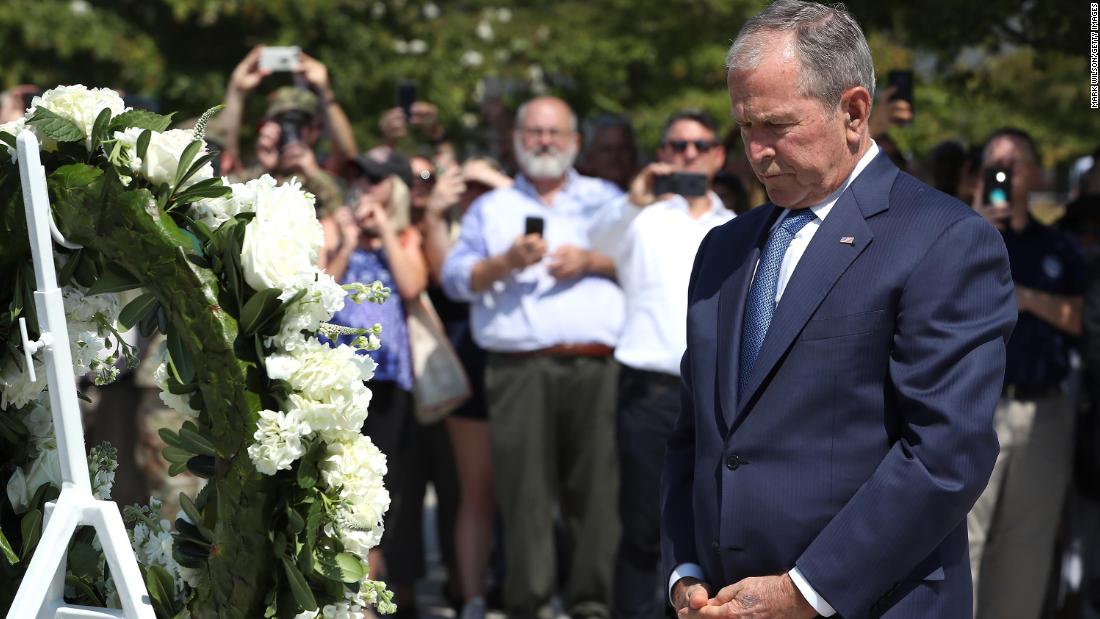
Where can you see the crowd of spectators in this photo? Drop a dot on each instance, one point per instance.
(558, 265)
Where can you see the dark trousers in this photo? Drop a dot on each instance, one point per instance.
(649, 403)
(551, 424)
(388, 425)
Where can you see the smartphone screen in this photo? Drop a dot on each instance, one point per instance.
(280, 58)
(534, 225)
(681, 183)
(902, 81)
(997, 185)
(406, 96)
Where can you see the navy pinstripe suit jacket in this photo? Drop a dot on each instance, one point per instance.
(865, 432)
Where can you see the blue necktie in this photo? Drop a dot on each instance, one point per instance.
(761, 304)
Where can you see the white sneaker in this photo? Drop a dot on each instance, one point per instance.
(474, 609)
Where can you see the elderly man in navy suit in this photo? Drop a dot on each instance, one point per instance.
(846, 349)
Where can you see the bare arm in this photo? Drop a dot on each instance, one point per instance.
(343, 140)
(245, 77)
(1061, 311)
(410, 272)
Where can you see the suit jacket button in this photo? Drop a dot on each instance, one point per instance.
(733, 462)
(715, 547)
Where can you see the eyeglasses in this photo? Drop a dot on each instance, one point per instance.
(680, 146)
(538, 132)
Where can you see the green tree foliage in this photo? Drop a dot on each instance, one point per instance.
(979, 65)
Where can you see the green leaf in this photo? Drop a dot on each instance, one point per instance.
(162, 590)
(84, 559)
(86, 594)
(196, 166)
(186, 158)
(351, 567)
(50, 125)
(75, 175)
(171, 438)
(258, 309)
(294, 520)
(65, 275)
(142, 119)
(8, 139)
(136, 310)
(188, 506)
(298, 586)
(176, 455)
(31, 528)
(313, 523)
(5, 547)
(202, 466)
(99, 127)
(197, 443)
(180, 358)
(308, 473)
(112, 280)
(142, 144)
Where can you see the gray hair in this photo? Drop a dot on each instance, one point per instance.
(522, 111)
(832, 50)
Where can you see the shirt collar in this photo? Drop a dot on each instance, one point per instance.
(716, 204)
(524, 185)
(822, 208)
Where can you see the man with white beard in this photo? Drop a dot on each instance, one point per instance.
(546, 308)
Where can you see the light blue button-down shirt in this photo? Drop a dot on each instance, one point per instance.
(529, 309)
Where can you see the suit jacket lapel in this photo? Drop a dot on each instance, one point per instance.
(731, 311)
(824, 261)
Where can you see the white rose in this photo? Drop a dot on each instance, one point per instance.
(282, 243)
(14, 128)
(278, 441)
(81, 105)
(44, 469)
(319, 371)
(178, 403)
(162, 158)
(355, 469)
(16, 386)
(213, 212)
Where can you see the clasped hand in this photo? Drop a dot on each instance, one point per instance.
(766, 597)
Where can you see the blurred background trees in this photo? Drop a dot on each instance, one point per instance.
(978, 65)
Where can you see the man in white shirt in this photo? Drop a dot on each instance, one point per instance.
(653, 240)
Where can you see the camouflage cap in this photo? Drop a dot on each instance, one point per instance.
(291, 99)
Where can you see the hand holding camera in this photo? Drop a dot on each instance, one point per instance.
(993, 196)
(447, 191)
(248, 73)
(526, 250)
(569, 261)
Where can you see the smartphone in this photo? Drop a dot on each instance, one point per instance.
(902, 81)
(997, 185)
(682, 183)
(406, 96)
(280, 58)
(290, 128)
(534, 225)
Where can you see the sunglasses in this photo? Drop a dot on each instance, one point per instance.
(680, 146)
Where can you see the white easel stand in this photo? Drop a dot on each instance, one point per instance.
(41, 595)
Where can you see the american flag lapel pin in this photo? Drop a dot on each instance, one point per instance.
(848, 240)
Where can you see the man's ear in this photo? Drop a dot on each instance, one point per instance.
(855, 106)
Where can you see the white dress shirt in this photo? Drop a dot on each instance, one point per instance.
(790, 260)
(654, 248)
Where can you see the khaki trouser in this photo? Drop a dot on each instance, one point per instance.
(552, 429)
(1013, 524)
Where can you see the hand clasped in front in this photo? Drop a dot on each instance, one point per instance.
(766, 597)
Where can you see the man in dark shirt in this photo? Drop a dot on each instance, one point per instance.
(1013, 524)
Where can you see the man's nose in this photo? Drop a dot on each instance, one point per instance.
(760, 150)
